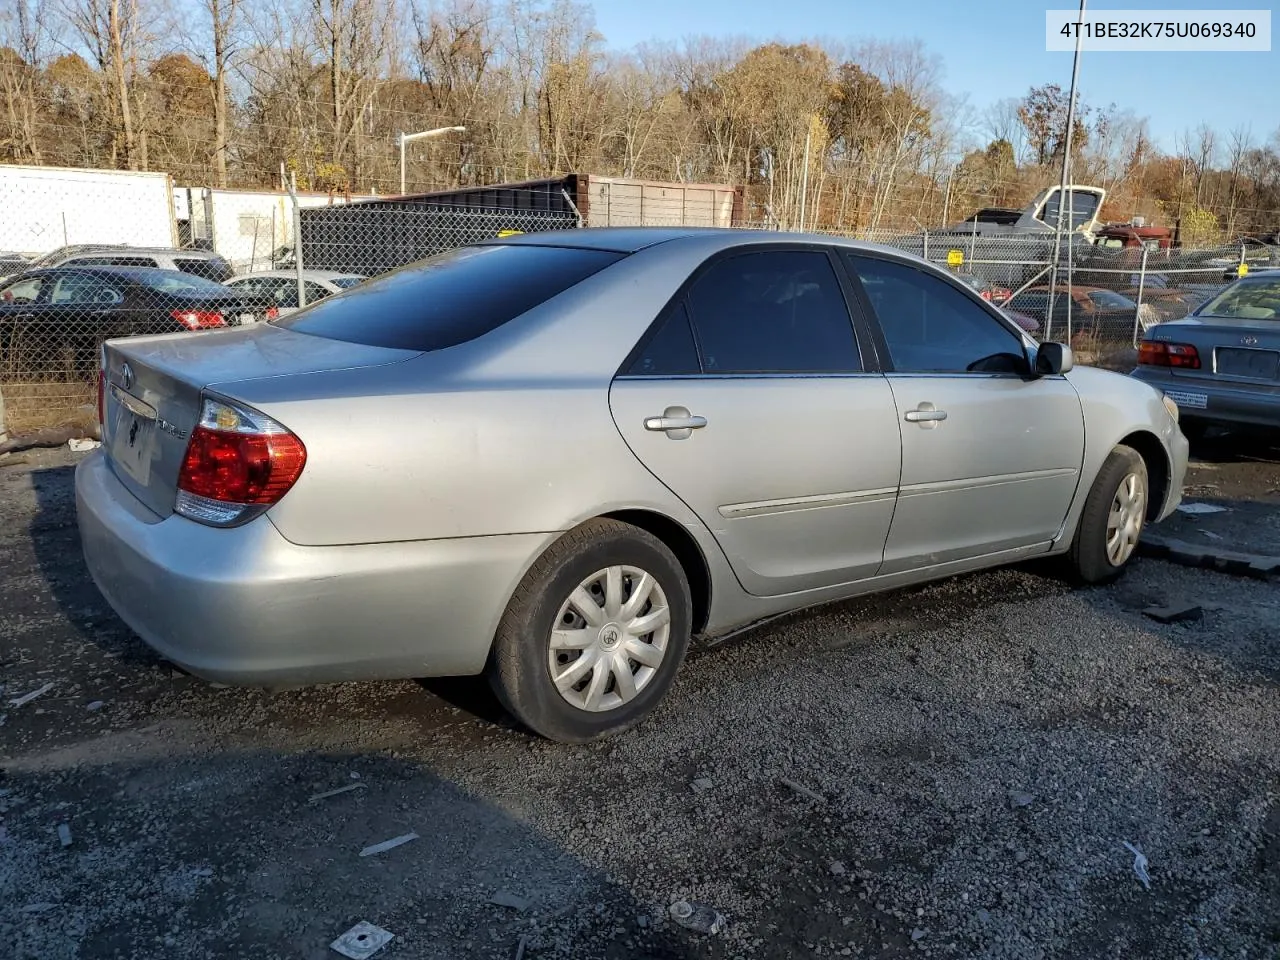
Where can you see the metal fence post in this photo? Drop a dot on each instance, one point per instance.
(297, 237)
(926, 244)
(1142, 282)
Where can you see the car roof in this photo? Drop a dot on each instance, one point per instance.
(635, 239)
(94, 249)
(106, 270)
(306, 274)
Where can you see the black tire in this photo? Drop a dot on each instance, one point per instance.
(1089, 559)
(519, 667)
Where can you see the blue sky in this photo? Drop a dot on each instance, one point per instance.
(992, 49)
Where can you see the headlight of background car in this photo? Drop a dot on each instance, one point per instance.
(1171, 407)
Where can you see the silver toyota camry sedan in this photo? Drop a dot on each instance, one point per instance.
(555, 459)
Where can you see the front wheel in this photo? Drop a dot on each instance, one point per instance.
(1113, 517)
(594, 634)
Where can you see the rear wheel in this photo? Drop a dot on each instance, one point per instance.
(1113, 517)
(594, 634)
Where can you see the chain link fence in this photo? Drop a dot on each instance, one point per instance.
(133, 256)
(1099, 298)
(373, 238)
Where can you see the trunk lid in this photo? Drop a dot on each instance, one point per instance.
(154, 385)
(1241, 351)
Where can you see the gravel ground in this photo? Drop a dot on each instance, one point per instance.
(1241, 474)
(971, 757)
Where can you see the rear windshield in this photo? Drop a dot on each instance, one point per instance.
(1106, 298)
(450, 298)
(342, 283)
(211, 268)
(1257, 300)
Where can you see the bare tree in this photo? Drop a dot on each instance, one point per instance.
(1206, 152)
(1000, 121)
(1239, 143)
(222, 37)
(910, 76)
(355, 37)
(113, 33)
(24, 41)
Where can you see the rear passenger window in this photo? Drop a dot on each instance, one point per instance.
(450, 298)
(670, 351)
(211, 268)
(775, 311)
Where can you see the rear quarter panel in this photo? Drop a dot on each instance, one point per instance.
(1115, 407)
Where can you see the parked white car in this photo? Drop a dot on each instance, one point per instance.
(281, 286)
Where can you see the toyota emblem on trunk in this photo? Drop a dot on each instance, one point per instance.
(126, 376)
(1248, 341)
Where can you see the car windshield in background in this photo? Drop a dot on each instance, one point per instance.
(1258, 300)
(344, 283)
(451, 298)
(180, 284)
(1029, 301)
(1106, 298)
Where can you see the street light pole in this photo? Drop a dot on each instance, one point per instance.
(1062, 189)
(409, 137)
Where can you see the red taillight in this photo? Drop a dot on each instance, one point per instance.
(238, 462)
(197, 319)
(273, 313)
(1157, 353)
(241, 467)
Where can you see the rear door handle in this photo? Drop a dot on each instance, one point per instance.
(676, 422)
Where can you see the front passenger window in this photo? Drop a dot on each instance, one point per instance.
(931, 326)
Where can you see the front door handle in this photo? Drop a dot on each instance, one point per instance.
(676, 422)
(927, 415)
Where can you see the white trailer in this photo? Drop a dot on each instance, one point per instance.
(49, 207)
(246, 227)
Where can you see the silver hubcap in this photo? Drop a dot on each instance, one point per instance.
(609, 639)
(1124, 523)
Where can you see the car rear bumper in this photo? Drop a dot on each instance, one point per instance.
(1217, 402)
(245, 606)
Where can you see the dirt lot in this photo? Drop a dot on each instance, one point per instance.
(972, 758)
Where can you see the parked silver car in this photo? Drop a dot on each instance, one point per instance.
(280, 287)
(201, 263)
(556, 458)
(1221, 363)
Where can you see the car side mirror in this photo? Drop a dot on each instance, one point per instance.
(1053, 359)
